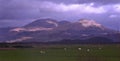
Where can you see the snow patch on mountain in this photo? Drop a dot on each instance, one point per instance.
(89, 23)
(31, 29)
(17, 29)
(19, 39)
(51, 22)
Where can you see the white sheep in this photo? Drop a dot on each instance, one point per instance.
(65, 49)
(79, 48)
(100, 48)
(42, 52)
(88, 50)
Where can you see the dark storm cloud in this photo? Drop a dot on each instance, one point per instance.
(24, 9)
(15, 9)
(21, 11)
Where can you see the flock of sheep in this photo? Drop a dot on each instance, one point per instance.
(65, 49)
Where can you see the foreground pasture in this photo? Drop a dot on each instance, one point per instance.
(63, 53)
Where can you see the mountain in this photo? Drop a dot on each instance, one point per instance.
(50, 24)
(46, 23)
(38, 25)
(48, 30)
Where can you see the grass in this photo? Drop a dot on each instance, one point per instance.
(57, 53)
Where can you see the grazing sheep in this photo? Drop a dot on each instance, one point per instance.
(65, 49)
(88, 50)
(42, 52)
(100, 48)
(79, 48)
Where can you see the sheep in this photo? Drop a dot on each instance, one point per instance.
(88, 50)
(79, 48)
(100, 48)
(42, 52)
(65, 49)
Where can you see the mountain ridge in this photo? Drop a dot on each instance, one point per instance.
(45, 30)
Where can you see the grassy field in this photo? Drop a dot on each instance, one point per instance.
(63, 53)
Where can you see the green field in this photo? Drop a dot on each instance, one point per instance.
(58, 53)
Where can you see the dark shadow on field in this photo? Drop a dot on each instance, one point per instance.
(92, 59)
(99, 59)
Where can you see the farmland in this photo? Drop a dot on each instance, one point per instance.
(62, 53)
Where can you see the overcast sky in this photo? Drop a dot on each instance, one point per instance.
(20, 12)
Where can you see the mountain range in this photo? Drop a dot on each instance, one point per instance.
(50, 30)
